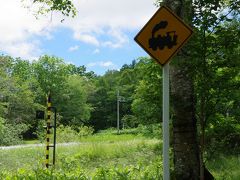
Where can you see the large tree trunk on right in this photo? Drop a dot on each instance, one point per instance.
(185, 145)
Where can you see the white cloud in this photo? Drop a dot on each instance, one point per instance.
(125, 14)
(87, 38)
(18, 27)
(92, 64)
(99, 23)
(26, 50)
(73, 48)
(119, 39)
(101, 64)
(106, 64)
(109, 19)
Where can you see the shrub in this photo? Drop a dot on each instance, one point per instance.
(66, 134)
(1, 126)
(130, 121)
(85, 131)
(222, 135)
(152, 130)
(11, 134)
(41, 131)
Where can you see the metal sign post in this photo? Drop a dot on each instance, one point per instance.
(165, 119)
(162, 37)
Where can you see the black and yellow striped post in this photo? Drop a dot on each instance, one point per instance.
(49, 104)
(48, 127)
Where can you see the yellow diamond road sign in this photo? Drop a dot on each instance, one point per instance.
(163, 35)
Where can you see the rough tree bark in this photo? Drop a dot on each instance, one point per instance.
(185, 145)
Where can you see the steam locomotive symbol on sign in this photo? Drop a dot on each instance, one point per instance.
(169, 40)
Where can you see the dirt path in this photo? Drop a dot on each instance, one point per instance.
(35, 145)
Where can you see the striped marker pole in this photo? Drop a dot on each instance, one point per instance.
(49, 104)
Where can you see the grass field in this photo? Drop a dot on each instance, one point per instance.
(102, 156)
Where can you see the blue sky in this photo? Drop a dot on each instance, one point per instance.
(100, 37)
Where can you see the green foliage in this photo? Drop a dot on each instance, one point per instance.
(152, 130)
(66, 7)
(216, 84)
(41, 131)
(224, 167)
(76, 110)
(221, 135)
(104, 101)
(11, 134)
(140, 172)
(113, 156)
(2, 127)
(68, 134)
(51, 74)
(130, 121)
(147, 101)
(133, 157)
(85, 131)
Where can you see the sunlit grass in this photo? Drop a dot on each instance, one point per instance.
(225, 167)
(106, 152)
(31, 142)
(91, 152)
(12, 159)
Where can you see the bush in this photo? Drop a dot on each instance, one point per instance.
(11, 134)
(152, 130)
(85, 131)
(130, 121)
(41, 131)
(1, 126)
(141, 172)
(223, 136)
(66, 134)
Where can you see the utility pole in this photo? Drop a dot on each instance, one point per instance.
(118, 111)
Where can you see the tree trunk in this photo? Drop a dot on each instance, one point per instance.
(185, 145)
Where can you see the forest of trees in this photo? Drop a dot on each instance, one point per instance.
(81, 98)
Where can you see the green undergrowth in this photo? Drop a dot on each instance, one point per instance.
(225, 167)
(121, 172)
(105, 155)
(109, 156)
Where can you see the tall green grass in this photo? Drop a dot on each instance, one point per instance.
(97, 157)
(105, 155)
(225, 167)
(91, 151)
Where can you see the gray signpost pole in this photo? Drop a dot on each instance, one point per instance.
(165, 19)
(165, 120)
